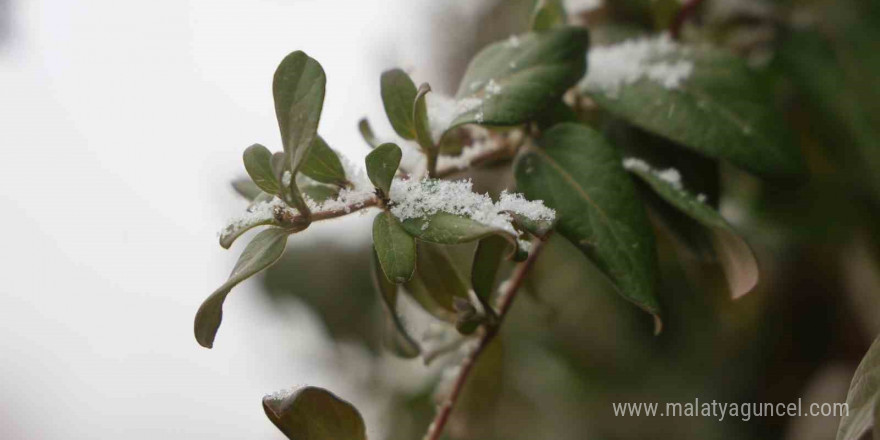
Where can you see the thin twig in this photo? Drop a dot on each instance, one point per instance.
(489, 333)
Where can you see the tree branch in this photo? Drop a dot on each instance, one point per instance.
(489, 332)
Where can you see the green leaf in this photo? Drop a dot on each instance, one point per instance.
(538, 228)
(258, 163)
(420, 119)
(577, 173)
(863, 397)
(322, 164)
(279, 164)
(367, 133)
(723, 109)
(547, 14)
(397, 339)
(312, 413)
(265, 249)
(437, 281)
(487, 259)
(513, 81)
(398, 95)
(396, 249)
(246, 188)
(382, 165)
(445, 228)
(298, 89)
(736, 257)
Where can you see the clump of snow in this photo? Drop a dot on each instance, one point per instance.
(258, 212)
(493, 88)
(513, 41)
(669, 175)
(467, 156)
(635, 59)
(347, 200)
(701, 198)
(281, 394)
(442, 110)
(285, 179)
(421, 198)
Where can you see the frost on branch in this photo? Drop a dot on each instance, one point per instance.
(412, 199)
(658, 59)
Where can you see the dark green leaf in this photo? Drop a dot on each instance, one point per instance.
(437, 281)
(487, 259)
(322, 164)
(723, 109)
(398, 96)
(246, 188)
(736, 257)
(298, 89)
(547, 14)
(382, 165)
(312, 413)
(863, 397)
(577, 173)
(258, 163)
(367, 133)
(396, 337)
(420, 119)
(512, 82)
(396, 249)
(265, 249)
(279, 164)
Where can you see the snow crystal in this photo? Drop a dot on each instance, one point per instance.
(669, 175)
(632, 60)
(421, 198)
(492, 88)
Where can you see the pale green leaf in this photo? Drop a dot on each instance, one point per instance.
(298, 88)
(382, 165)
(265, 249)
(258, 163)
(396, 249)
(246, 188)
(312, 413)
(398, 95)
(577, 173)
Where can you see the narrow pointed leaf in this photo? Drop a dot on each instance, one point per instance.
(312, 413)
(863, 397)
(547, 14)
(323, 164)
(397, 339)
(398, 95)
(514, 81)
(258, 163)
(396, 249)
(722, 109)
(367, 133)
(420, 119)
(487, 259)
(382, 165)
(735, 255)
(577, 173)
(265, 249)
(298, 88)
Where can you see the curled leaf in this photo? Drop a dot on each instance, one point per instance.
(312, 413)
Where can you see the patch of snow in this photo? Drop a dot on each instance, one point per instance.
(442, 110)
(422, 198)
(258, 212)
(513, 41)
(493, 88)
(625, 63)
(467, 156)
(669, 175)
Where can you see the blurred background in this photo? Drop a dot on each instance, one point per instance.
(122, 124)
